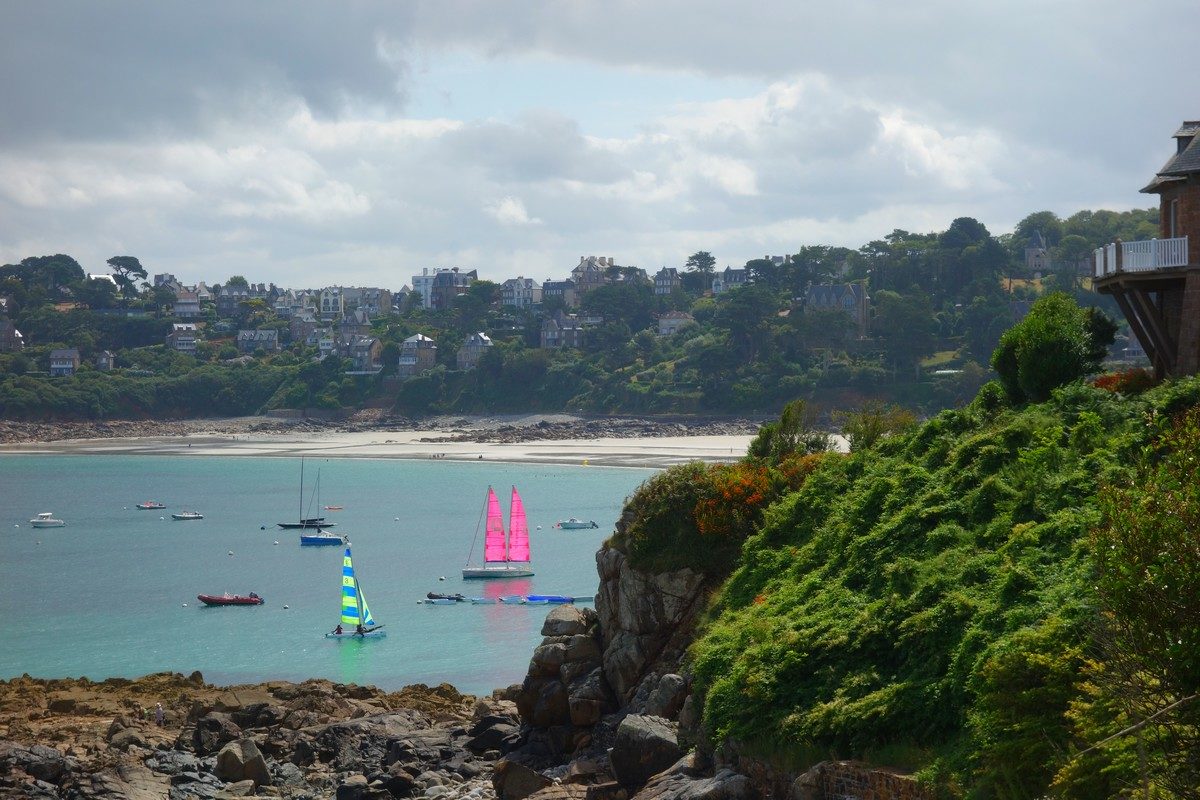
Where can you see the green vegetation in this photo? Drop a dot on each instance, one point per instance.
(984, 599)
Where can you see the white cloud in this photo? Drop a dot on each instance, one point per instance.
(511, 211)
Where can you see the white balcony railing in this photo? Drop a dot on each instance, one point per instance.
(1144, 256)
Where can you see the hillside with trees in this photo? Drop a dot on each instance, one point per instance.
(1001, 600)
(938, 305)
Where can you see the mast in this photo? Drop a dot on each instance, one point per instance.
(300, 516)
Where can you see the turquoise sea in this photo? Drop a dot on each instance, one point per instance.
(105, 596)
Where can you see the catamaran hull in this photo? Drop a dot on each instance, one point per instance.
(483, 573)
(353, 635)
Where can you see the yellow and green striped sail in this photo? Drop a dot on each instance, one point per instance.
(354, 605)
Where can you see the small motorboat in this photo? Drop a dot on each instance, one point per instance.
(230, 599)
(334, 508)
(456, 598)
(321, 539)
(46, 520)
(187, 515)
(574, 524)
(151, 505)
(549, 598)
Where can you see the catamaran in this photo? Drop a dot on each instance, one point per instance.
(355, 613)
(503, 557)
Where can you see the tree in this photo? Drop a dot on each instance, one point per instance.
(1057, 342)
(875, 420)
(905, 324)
(703, 263)
(1149, 580)
(125, 268)
(237, 281)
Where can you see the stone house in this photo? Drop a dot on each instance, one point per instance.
(521, 292)
(365, 354)
(356, 323)
(11, 339)
(727, 279)
(472, 350)
(850, 298)
(591, 272)
(230, 299)
(667, 280)
(104, 361)
(671, 322)
(561, 330)
(64, 362)
(564, 289)
(183, 337)
(418, 354)
(249, 341)
(187, 305)
(449, 284)
(301, 325)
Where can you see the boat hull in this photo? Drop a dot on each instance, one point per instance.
(487, 573)
(231, 600)
(186, 517)
(287, 526)
(150, 506)
(376, 634)
(321, 541)
(47, 523)
(576, 525)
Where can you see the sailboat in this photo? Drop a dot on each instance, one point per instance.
(503, 557)
(307, 522)
(354, 608)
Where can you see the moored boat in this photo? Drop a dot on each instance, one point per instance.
(46, 519)
(301, 520)
(187, 515)
(574, 524)
(321, 539)
(227, 599)
(503, 556)
(151, 505)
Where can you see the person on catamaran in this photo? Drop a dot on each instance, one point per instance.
(359, 630)
(338, 630)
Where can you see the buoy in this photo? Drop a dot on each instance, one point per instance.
(539, 527)
(585, 462)
(397, 519)
(230, 552)
(262, 527)
(276, 541)
(124, 508)
(162, 517)
(442, 578)
(286, 607)
(185, 605)
(17, 525)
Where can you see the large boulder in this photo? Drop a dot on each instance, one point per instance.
(565, 620)
(644, 746)
(213, 731)
(241, 761)
(685, 780)
(514, 781)
(666, 699)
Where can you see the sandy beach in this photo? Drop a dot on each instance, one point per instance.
(653, 452)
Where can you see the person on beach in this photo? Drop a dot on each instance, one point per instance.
(160, 716)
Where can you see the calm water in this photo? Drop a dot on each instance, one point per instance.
(105, 595)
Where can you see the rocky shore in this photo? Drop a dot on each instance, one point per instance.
(504, 429)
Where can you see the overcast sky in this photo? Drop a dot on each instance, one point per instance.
(312, 143)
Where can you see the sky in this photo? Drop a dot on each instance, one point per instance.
(356, 143)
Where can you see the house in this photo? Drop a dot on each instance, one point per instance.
(230, 299)
(667, 280)
(730, 278)
(165, 278)
(249, 341)
(850, 298)
(561, 330)
(472, 350)
(365, 354)
(521, 292)
(64, 362)
(183, 337)
(591, 272)
(1037, 254)
(104, 361)
(376, 302)
(356, 323)
(202, 291)
(301, 326)
(417, 354)
(449, 284)
(11, 339)
(326, 343)
(331, 303)
(671, 322)
(438, 288)
(564, 289)
(187, 305)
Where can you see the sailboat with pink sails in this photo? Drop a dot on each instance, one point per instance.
(503, 556)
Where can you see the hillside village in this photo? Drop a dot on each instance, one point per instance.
(910, 318)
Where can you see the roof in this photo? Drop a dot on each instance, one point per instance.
(418, 338)
(1185, 161)
(829, 294)
(69, 352)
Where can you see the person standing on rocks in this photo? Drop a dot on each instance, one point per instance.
(160, 716)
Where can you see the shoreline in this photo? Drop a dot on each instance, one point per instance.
(523, 439)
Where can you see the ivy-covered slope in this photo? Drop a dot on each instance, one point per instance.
(929, 602)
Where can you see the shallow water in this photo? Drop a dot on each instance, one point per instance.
(105, 596)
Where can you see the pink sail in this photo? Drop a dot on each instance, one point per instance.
(493, 545)
(518, 530)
